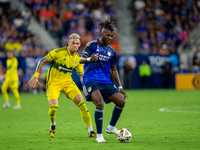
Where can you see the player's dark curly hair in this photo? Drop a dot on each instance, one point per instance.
(107, 24)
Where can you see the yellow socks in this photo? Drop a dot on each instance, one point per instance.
(85, 114)
(52, 112)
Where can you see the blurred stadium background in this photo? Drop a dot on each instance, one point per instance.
(163, 33)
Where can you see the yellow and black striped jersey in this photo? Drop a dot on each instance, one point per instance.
(62, 64)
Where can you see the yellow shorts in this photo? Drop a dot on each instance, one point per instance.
(10, 84)
(69, 88)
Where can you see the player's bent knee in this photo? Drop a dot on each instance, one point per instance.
(121, 103)
(99, 104)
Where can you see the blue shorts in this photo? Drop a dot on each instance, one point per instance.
(106, 90)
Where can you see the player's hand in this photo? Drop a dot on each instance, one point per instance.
(94, 57)
(33, 81)
(124, 93)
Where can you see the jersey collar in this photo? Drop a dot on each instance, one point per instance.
(101, 44)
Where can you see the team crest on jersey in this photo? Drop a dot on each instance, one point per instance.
(75, 63)
(89, 89)
(97, 48)
(109, 53)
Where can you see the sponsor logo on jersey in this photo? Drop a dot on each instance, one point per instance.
(64, 69)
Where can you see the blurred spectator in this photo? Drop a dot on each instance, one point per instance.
(196, 63)
(2, 73)
(139, 4)
(128, 70)
(164, 50)
(116, 45)
(9, 45)
(26, 14)
(166, 73)
(184, 61)
(144, 73)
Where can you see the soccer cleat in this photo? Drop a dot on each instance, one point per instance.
(17, 106)
(100, 140)
(92, 134)
(52, 131)
(6, 106)
(111, 130)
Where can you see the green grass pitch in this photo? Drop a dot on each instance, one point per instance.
(175, 127)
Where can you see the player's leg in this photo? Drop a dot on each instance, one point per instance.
(73, 93)
(53, 107)
(15, 91)
(119, 101)
(85, 114)
(99, 103)
(53, 93)
(4, 89)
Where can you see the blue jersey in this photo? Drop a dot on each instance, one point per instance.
(98, 71)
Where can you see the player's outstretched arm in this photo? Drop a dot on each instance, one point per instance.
(39, 67)
(93, 57)
(115, 76)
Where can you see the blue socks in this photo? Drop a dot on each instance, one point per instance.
(115, 115)
(98, 115)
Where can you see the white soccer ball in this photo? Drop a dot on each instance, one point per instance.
(124, 135)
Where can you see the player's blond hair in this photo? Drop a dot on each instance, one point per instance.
(74, 36)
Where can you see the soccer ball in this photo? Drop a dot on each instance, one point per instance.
(124, 135)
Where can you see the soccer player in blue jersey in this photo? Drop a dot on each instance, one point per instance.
(100, 63)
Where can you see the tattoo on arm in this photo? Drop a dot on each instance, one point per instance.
(41, 63)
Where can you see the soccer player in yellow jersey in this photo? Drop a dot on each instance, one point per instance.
(63, 61)
(11, 81)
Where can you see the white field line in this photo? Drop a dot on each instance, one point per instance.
(181, 109)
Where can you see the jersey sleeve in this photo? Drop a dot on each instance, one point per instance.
(51, 55)
(79, 69)
(87, 50)
(113, 60)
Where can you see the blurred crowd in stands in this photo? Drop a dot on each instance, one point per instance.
(58, 17)
(63, 17)
(163, 24)
(14, 35)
